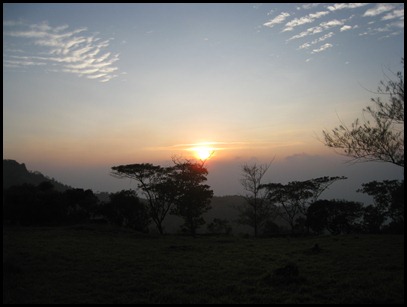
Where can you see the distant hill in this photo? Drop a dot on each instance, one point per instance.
(15, 173)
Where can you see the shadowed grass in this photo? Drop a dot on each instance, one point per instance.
(99, 264)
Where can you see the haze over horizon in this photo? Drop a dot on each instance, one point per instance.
(90, 86)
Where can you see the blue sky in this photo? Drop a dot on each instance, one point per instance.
(89, 86)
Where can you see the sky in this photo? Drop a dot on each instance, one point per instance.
(91, 86)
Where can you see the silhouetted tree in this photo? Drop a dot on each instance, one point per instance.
(32, 205)
(258, 209)
(317, 215)
(178, 189)
(343, 216)
(192, 198)
(382, 140)
(155, 184)
(81, 204)
(397, 209)
(19, 204)
(51, 210)
(295, 197)
(126, 210)
(373, 219)
(388, 196)
(336, 216)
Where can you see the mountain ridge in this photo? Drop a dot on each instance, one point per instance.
(15, 173)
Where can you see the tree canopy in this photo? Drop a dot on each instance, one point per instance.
(177, 189)
(382, 138)
(295, 196)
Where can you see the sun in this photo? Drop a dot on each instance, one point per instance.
(203, 153)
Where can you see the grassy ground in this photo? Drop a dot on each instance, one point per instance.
(95, 264)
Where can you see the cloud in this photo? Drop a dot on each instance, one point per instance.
(279, 19)
(322, 48)
(315, 41)
(341, 6)
(318, 29)
(309, 31)
(59, 50)
(345, 28)
(378, 9)
(289, 26)
(336, 18)
(394, 14)
(308, 6)
(331, 23)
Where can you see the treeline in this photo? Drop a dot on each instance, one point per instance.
(177, 190)
(180, 190)
(297, 203)
(43, 205)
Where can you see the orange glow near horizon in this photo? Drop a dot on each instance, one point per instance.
(203, 152)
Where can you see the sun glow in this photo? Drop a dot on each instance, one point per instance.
(203, 153)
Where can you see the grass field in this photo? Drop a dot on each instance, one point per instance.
(99, 264)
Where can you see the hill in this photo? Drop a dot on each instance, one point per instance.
(15, 173)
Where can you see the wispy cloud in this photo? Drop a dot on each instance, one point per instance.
(345, 28)
(318, 29)
(341, 6)
(394, 14)
(379, 9)
(308, 6)
(289, 26)
(59, 49)
(322, 48)
(316, 41)
(279, 19)
(329, 20)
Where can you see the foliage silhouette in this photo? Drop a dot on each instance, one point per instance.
(29, 205)
(295, 197)
(81, 204)
(388, 196)
(336, 216)
(155, 184)
(176, 189)
(42, 205)
(192, 197)
(382, 140)
(125, 209)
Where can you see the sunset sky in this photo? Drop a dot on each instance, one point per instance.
(90, 86)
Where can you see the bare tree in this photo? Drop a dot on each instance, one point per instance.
(383, 138)
(259, 209)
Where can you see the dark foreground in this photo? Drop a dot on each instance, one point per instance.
(95, 264)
